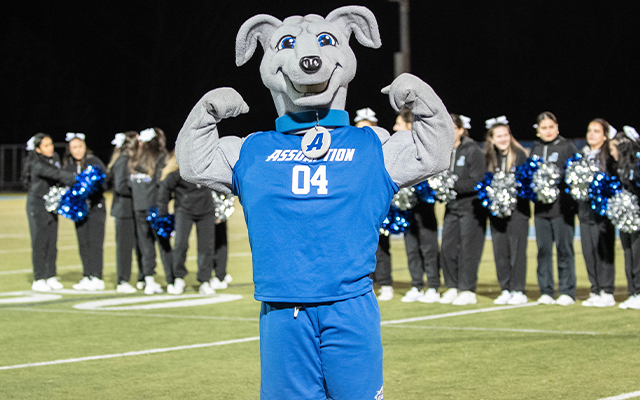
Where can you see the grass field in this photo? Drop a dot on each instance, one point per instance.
(67, 346)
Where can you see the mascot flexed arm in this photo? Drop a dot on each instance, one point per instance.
(314, 193)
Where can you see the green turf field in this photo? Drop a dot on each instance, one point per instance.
(156, 350)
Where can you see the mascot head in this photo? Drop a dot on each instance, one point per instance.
(307, 61)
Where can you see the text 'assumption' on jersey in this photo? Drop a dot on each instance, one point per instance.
(297, 155)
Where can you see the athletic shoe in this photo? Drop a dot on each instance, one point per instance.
(84, 284)
(503, 298)
(178, 286)
(565, 300)
(635, 299)
(54, 284)
(206, 289)
(151, 287)
(227, 278)
(140, 285)
(98, 284)
(546, 300)
(449, 296)
(591, 301)
(465, 298)
(605, 300)
(635, 303)
(430, 296)
(386, 293)
(217, 284)
(517, 298)
(125, 287)
(412, 295)
(171, 289)
(40, 286)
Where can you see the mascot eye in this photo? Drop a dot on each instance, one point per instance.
(326, 39)
(287, 42)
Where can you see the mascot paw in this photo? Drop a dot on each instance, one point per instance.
(224, 103)
(404, 90)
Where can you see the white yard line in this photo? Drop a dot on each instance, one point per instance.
(131, 353)
(624, 396)
(453, 328)
(454, 314)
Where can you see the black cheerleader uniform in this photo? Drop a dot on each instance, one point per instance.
(90, 231)
(193, 205)
(510, 236)
(421, 245)
(465, 220)
(556, 222)
(631, 241)
(41, 173)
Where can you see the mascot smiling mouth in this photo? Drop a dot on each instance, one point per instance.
(310, 90)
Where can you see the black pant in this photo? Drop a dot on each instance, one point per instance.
(382, 274)
(43, 227)
(463, 237)
(205, 231)
(421, 245)
(631, 246)
(126, 242)
(509, 237)
(561, 230)
(221, 250)
(90, 233)
(598, 248)
(146, 240)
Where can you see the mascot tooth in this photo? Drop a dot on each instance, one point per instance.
(314, 192)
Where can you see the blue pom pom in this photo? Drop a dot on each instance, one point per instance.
(425, 193)
(481, 188)
(637, 172)
(603, 187)
(524, 178)
(396, 221)
(163, 226)
(73, 204)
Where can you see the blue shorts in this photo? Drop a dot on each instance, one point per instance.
(328, 351)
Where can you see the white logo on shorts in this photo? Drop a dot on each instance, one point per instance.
(379, 394)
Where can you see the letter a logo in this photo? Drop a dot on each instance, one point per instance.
(316, 142)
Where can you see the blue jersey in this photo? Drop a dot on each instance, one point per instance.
(313, 224)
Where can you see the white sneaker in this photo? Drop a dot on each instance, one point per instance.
(140, 285)
(517, 298)
(54, 283)
(412, 295)
(632, 300)
(605, 300)
(503, 298)
(98, 284)
(151, 287)
(430, 296)
(386, 293)
(546, 300)
(125, 287)
(465, 298)
(40, 286)
(216, 284)
(206, 289)
(635, 304)
(449, 296)
(84, 284)
(590, 302)
(178, 286)
(564, 300)
(227, 278)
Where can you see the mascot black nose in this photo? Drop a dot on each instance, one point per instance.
(310, 65)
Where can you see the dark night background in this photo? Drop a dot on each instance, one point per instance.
(106, 67)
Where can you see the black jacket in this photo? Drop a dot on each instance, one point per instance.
(189, 198)
(522, 206)
(144, 188)
(557, 152)
(44, 172)
(120, 182)
(96, 199)
(468, 163)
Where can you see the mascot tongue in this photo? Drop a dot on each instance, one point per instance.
(317, 88)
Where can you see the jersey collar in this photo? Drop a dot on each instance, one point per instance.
(308, 119)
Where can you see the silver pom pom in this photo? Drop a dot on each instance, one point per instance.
(545, 183)
(579, 175)
(223, 205)
(52, 199)
(623, 211)
(405, 199)
(502, 194)
(443, 184)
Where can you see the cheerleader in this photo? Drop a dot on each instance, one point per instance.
(146, 168)
(420, 240)
(41, 171)
(624, 147)
(193, 205)
(221, 279)
(555, 221)
(465, 221)
(90, 230)
(509, 235)
(126, 146)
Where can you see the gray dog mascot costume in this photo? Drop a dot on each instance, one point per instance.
(314, 193)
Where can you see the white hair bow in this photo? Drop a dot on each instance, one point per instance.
(365, 114)
(118, 140)
(612, 132)
(147, 134)
(31, 144)
(466, 122)
(71, 136)
(631, 133)
(500, 120)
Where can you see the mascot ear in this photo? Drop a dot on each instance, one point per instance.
(358, 20)
(257, 28)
